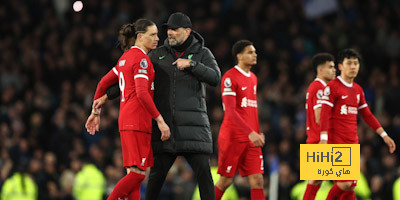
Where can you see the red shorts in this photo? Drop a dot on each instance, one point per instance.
(136, 149)
(243, 156)
(352, 185)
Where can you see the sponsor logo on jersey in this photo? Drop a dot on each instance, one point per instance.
(248, 103)
(143, 63)
(344, 110)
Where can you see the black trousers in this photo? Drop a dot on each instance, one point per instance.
(200, 164)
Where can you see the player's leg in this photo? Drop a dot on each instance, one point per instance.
(158, 173)
(252, 166)
(220, 187)
(229, 157)
(256, 186)
(349, 190)
(312, 189)
(200, 164)
(339, 188)
(130, 183)
(135, 153)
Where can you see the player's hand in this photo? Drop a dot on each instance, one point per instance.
(99, 102)
(164, 128)
(390, 143)
(323, 142)
(257, 139)
(181, 63)
(92, 124)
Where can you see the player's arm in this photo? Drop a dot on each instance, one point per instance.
(317, 113)
(326, 114)
(93, 122)
(143, 95)
(229, 100)
(372, 122)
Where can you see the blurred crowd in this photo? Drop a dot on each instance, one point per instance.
(52, 59)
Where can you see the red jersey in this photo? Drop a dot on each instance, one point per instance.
(239, 97)
(313, 97)
(133, 72)
(342, 100)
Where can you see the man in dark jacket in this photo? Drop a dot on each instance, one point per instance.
(183, 66)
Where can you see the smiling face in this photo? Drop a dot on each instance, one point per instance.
(349, 68)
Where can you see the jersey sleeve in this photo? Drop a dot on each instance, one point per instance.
(229, 89)
(109, 79)
(316, 97)
(327, 103)
(141, 85)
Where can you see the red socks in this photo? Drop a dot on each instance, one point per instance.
(218, 193)
(335, 192)
(311, 191)
(257, 194)
(126, 186)
(348, 195)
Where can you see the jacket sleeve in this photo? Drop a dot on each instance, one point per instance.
(207, 69)
(113, 92)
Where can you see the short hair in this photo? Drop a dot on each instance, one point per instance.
(239, 46)
(348, 53)
(321, 58)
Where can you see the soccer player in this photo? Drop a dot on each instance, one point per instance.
(239, 139)
(323, 64)
(135, 74)
(343, 99)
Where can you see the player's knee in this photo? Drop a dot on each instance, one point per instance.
(256, 181)
(224, 182)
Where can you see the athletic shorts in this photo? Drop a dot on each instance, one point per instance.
(136, 149)
(352, 185)
(234, 156)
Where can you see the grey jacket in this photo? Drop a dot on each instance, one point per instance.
(180, 97)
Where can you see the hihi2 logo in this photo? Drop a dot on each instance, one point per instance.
(329, 161)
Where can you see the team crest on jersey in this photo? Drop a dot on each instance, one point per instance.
(143, 63)
(320, 93)
(228, 82)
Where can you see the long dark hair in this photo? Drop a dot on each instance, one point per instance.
(128, 32)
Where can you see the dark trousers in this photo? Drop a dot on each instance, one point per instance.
(200, 164)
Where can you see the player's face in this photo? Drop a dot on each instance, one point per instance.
(248, 56)
(349, 68)
(177, 36)
(328, 70)
(150, 37)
